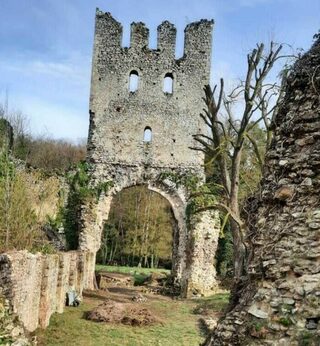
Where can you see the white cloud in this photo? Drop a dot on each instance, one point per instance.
(74, 69)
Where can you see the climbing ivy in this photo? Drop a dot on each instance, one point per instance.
(189, 181)
(201, 195)
(80, 192)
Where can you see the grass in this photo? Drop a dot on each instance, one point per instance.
(179, 326)
(216, 303)
(131, 270)
(139, 274)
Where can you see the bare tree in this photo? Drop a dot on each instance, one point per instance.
(228, 132)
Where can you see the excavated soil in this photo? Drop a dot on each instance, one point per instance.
(126, 313)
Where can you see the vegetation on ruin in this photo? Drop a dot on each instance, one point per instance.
(30, 189)
(80, 192)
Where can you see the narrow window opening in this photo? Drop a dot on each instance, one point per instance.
(147, 136)
(133, 81)
(168, 83)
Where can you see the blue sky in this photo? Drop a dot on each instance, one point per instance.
(46, 46)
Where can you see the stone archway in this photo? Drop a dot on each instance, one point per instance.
(193, 254)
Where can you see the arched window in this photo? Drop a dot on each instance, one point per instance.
(133, 81)
(168, 83)
(147, 135)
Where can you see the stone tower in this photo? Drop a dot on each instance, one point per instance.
(144, 111)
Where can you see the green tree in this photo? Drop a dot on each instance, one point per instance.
(18, 223)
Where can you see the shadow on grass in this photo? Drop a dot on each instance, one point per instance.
(215, 303)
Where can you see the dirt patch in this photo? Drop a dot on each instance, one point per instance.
(125, 313)
(106, 279)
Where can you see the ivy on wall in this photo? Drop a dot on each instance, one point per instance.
(80, 192)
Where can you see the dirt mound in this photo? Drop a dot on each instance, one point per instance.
(138, 317)
(125, 313)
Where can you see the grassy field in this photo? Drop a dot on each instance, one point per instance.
(131, 270)
(179, 325)
(179, 319)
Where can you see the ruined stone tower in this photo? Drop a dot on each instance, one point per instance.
(279, 303)
(144, 110)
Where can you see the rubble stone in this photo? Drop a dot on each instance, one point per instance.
(286, 248)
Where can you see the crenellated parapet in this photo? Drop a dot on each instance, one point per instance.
(197, 39)
(198, 36)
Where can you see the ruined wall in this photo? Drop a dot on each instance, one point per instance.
(35, 285)
(280, 302)
(117, 150)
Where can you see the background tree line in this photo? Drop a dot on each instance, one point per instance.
(139, 230)
(43, 151)
(29, 185)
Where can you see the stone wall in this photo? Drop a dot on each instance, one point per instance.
(36, 284)
(279, 303)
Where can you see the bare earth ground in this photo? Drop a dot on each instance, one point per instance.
(173, 322)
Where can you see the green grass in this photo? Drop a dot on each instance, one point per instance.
(179, 326)
(139, 274)
(216, 302)
(131, 270)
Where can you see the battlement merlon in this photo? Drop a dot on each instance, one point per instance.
(108, 31)
(167, 34)
(198, 39)
(139, 37)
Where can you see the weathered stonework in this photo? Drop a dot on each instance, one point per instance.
(279, 304)
(35, 285)
(117, 150)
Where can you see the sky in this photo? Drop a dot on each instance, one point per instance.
(46, 47)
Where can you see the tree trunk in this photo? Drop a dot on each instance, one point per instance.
(239, 250)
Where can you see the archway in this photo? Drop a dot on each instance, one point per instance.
(141, 230)
(196, 237)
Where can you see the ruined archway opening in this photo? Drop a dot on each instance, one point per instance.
(139, 231)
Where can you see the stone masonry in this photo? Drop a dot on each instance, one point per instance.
(118, 151)
(279, 304)
(35, 285)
